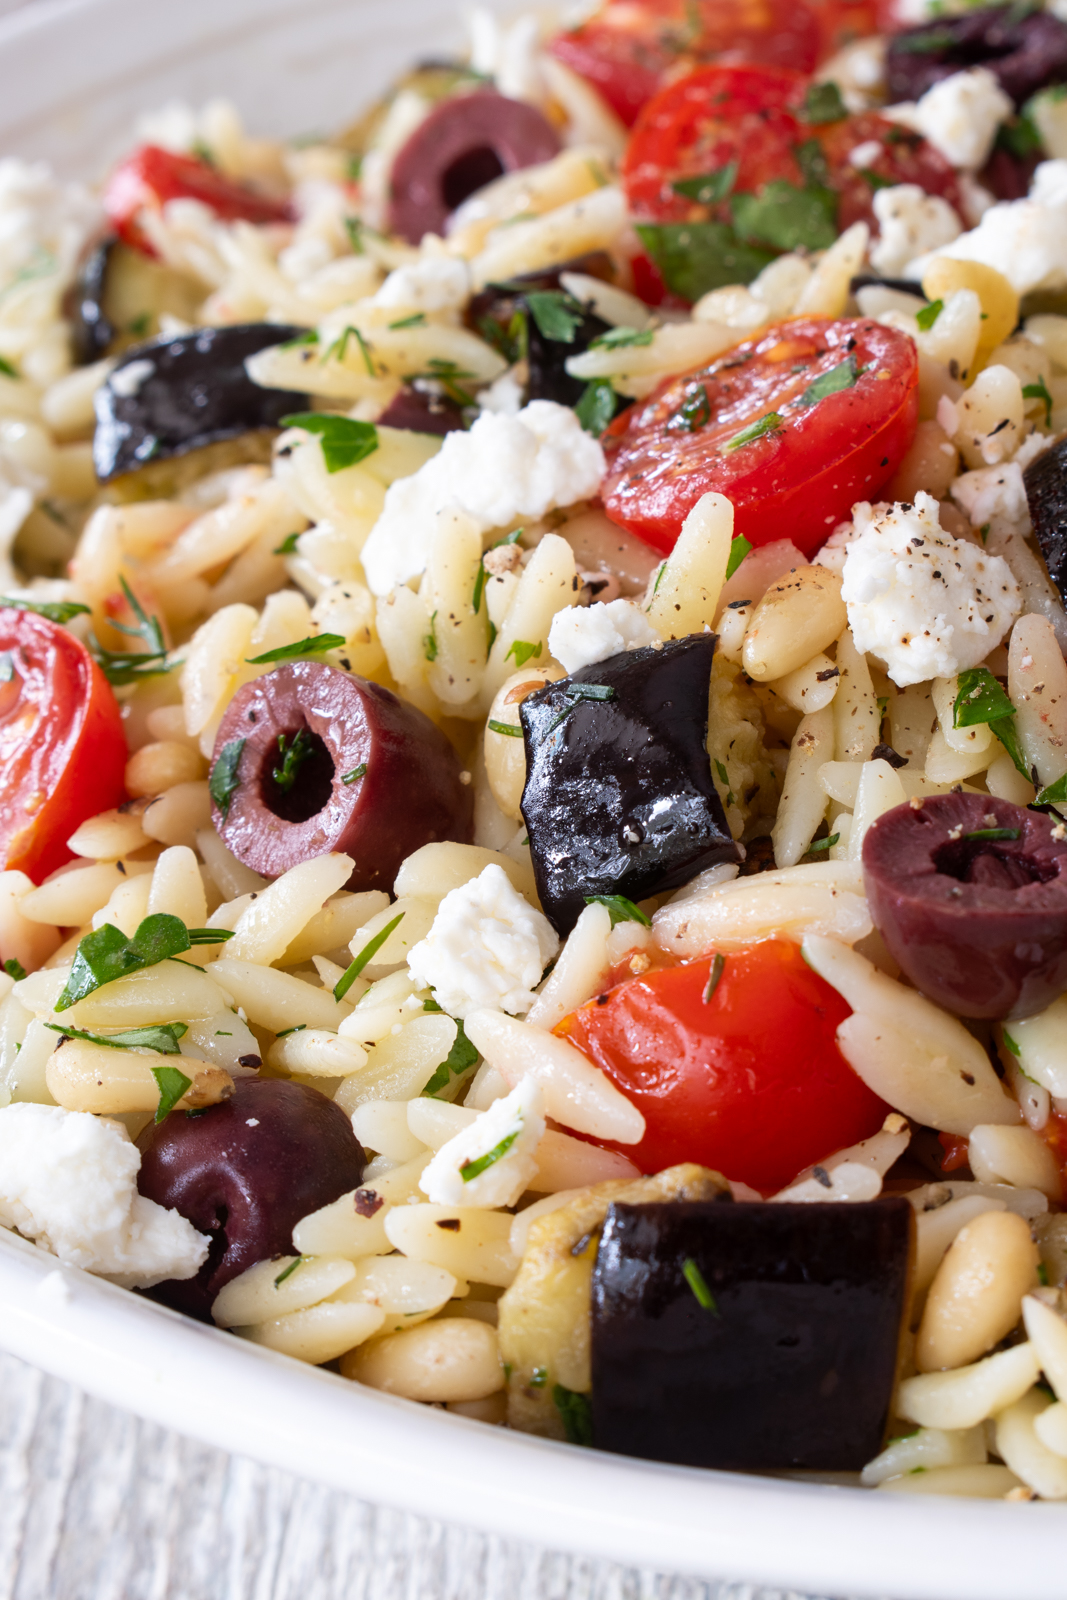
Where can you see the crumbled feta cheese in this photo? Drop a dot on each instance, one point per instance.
(433, 283)
(505, 468)
(992, 492)
(910, 222)
(69, 1181)
(1026, 240)
(928, 605)
(504, 395)
(832, 554)
(487, 947)
(43, 223)
(492, 1161)
(961, 114)
(582, 635)
(1031, 448)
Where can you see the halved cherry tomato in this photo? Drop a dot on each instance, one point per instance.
(151, 176)
(630, 47)
(793, 427)
(748, 1081)
(890, 155)
(62, 750)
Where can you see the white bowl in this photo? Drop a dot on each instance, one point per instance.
(75, 73)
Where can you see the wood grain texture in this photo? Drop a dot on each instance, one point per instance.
(97, 1505)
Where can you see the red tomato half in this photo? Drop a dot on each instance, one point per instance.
(815, 456)
(750, 1083)
(62, 750)
(151, 176)
(896, 155)
(630, 47)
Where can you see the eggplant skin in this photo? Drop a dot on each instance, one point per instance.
(619, 797)
(91, 332)
(1045, 482)
(186, 392)
(791, 1365)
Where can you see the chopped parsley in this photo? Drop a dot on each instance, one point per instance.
(596, 406)
(928, 315)
(162, 1037)
(337, 350)
(739, 548)
(287, 546)
(1010, 1042)
(294, 752)
(695, 257)
(981, 699)
(576, 692)
(474, 1169)
(623, 339)
(355, 774)
(58, 611)
(172, 1085)
(523, 652)
(344, 442)
(574, 1413)
(14, 969)
(619, 909)
(708, 188)
(694, 411)
(844, 376)
(418, 320)
(823, 103)
(770, 423)
(366, 955)
(697, 1282)
(459, 1059)
(1039, 391)
(787, 218)
(510, 730)
(558, 315)
(429, 640)
(107, 954)
(224, 783)
(828, 843)
(1054, 794)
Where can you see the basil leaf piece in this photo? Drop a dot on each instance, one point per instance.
(8, 370)
(929, 315)
(459, 1059)
(574, 1413)
(59, 611)
(708, 188)
(314, 645)
(510, 730)
(474, 1169)
(694, 257)
(344, 441)
(367, 954)
(811, 159)
(1039, 391)
(523, 652)
(755, 430)
(823, 103)
(619, 909)
(844, 376)
(739, 548)
(787, 217)
(623, 339)
(1054, 794)
(556, 314)
(224, 783)
(980, 698)
(698, 1283)
(106, 954)
(172, 1085)
(162, 1037)
(596, 407)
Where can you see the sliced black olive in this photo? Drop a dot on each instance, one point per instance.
(170, 396)
(970, 895)
(422, 413)
(619, 797)
(749, 1336)
(1045, 481)
(91, 330)
(1024, 49)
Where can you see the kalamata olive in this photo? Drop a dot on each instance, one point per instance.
(462, 145)
(91, 330)
(244, 1173)
(422, 413)
(970, 895)
(619, 797)
(360, 772)
(1045, 481)
(1008, 176)
(169, 396)
(1024, 49)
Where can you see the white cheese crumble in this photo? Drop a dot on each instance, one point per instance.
(928, 605)
(68, 1180)
(504, 394)
(502, 1142)
(580, 636)
(487, 947)
(433, 283)
(504, 469)
(992, 492)
(960, 116)
(1026, 240)
(910, 222)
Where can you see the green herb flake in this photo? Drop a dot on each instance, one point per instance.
(715, 972)
(929, 314)
(981, 699)
(558, 316)
(474, 1169)
(1054, 794)
(58, 611)
(1010, 1042)
(619, 909)
(787, 218)
(510, 730)
(14, 969)
(1042, 1275)
(294, 752)
(768, 424)
(366, 955)
(694, 411)
(418, 320)
(344, 442)
(523, 652)
(107, 954)
(596, 406)
(131, 666)
(623, 339)
(224, 782)
(538, 1377)
(921, 44)
(1039, 391)
(844, 376)
(287, 1272)
(308, 338)
(875, 179)
(823, 103)
(459, 1059)
(739, 548)
(297, 1027)
(575, 1414)
(314, 645)
(695, 257)
(429, 640)
(337, 350)
(287, 546)
(697, 1282)
(819, 845)
(172, 1085)
(162, 1037)
(356, 773)
(8, 370)
(573, 693)
(811, 159)
(708, 188)
(994, 833)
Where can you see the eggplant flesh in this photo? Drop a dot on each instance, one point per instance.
(169, 396)
(1045, 481)
(749, 1336)
(619, 797)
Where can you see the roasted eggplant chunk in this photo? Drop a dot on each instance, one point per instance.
(619, 797)
(1045, 481)
(91, 330)
(556, 326)
(1024, 48)
(171, 396)
(749, 1336)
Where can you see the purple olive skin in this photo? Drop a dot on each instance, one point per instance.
(245, 1172)
(979, 925)
(422, 413)
(463, 144)
(411, 793)
(1025, 51)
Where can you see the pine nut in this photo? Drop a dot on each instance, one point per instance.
(82, 1076)
(452, 1360)
(976, 1295)
(799, 616)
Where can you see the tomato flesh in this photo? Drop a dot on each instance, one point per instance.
(750, 1083)
(628, 48)
(62, 750)
(151, 176)
(794, 481)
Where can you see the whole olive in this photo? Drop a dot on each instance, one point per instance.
(245, 1172)
(970, 895)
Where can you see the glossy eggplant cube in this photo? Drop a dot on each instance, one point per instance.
(619, 797)
(749, 1336)
(1045, 481)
